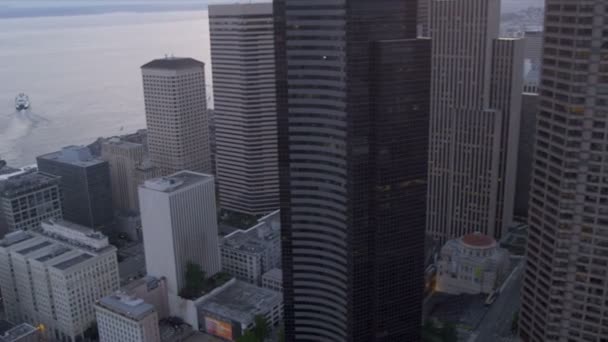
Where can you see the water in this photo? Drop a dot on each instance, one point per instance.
(82, 74)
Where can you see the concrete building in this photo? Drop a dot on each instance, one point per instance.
(54, 275)
(245, 112)
(179, 220)
(475, 117)
(176, 115)
(126, 319)
(151, 290)
(230, 310)
(566, 275)
(247, 254)
(273, 280)
(353, 86)
(85, 185)
(424, 11)
(28, 199)
(525, 156)
(18, 333)
(123, 158)
(472, 264)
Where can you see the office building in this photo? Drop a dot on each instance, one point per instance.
(123, 158)
(475, 117)
(53, 276)
(247, 254)
(273, 280)
(533, 52)
(126, 319)
(229, 311)
(245, 112)
(18, 333)
(353, 88)
(153, 291)
(525, 156)
(85, 185)
(564, 289)
(179, 220)
(28, 199)
(424, 10)
(472, 264)
(176, 115)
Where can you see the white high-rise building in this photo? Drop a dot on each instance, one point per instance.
(176, 115)
(179, 220)
(54, 275)
(475, 112)
(245, 113)
(126, 319)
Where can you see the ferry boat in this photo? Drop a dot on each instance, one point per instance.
(22, 102)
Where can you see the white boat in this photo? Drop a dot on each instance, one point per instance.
(22, 102)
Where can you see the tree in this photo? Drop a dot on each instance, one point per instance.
(195, 277)
(282, 334)
(248, 336)
(261, 328)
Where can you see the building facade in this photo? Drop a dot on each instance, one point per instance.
(153, 291)
(353, 87)
(472, 264)
(176, 115)
(525, 156)
(179, 220)
(123, 158)
(475, 113)
(54, 275)
(126, 319)
(564, 289)
(273, 280)
(28, 199)
(247, 254)
(245, 113)
(85, 185)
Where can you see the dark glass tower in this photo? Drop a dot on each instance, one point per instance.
(353, 97)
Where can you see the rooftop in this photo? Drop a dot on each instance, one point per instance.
(173, 63)
(275, 273)
(478, 240)
(124, 144)
(239, 301)
(14, 333)
(127, 306)
(257, 238)
(74, 155)
(176, 181)
(26, 182)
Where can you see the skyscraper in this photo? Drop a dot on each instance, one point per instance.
(179, 220)
(564, 290)
(243, 56)
(176, 115)
(353, 87)
(85, 185)
(123, 158)
(475, 112)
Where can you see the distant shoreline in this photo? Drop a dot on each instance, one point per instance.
(67, 11)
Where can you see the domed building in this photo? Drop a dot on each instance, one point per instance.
(471, 264)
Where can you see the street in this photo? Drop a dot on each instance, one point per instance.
(498, 319)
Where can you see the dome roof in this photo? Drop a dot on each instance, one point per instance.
(478, 240)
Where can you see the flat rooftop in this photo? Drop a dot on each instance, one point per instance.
(123, 144)
(174, 63)
(14, 333)
(26, 182)
(275, 273)
(73, 155)
(176, 181)
(239, 301)
(127, 306)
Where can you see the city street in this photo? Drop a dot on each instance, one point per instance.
(498, 319)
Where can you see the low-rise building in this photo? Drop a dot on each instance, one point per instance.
(54, 275)
(471, 264)
(18, 333)
(125, 318)
(153, 291)
(273, 280)
(247, 254)
(28, 199)
(230, 310)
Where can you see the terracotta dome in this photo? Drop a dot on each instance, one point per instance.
(478, 240)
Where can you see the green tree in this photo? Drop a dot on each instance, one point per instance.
(261, 329)
(195, 281)
(248, 336)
